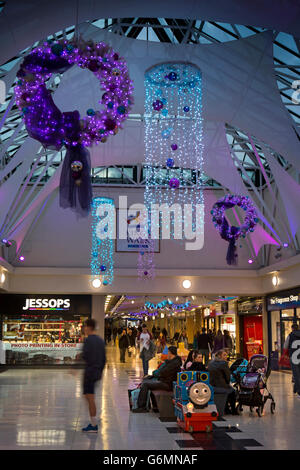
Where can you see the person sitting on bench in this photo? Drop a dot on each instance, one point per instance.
(219, 377)
(197, 363)
(167, 375)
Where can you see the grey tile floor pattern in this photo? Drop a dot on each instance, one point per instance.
(44, 409)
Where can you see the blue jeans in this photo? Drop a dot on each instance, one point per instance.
(296, 376)
(145, 366)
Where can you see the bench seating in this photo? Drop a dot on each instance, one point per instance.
(164, 400)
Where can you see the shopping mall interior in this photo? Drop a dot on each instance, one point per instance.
(150, 181)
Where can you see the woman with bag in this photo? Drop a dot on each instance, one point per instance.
(147, 348)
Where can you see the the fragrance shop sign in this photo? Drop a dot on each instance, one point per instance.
(25, 304)
(284, 302)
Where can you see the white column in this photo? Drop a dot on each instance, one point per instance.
(98, 313)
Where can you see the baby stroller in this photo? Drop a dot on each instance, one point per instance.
(252, 388)
(238, 369)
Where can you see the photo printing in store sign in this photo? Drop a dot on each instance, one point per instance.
(47, 304)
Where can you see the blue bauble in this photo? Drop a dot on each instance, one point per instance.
(170, 162)
(164, 112)
(121, 109)
(57, 49)
(166, 133)
(186, 109)
(103, 268)
(69, 48)
(172, 76)
(90, 112)
(105, 283)
(110, 105)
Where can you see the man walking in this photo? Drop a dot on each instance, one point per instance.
(204, 345)
(123, 345)
(95, 359)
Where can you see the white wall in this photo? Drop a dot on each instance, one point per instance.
(59, 239)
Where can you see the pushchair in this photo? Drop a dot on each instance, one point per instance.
(251, 386)
(238, 369)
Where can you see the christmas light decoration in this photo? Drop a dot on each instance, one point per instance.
(53, 128)
(168, 303)
(232, 234)
(102, 252)
(173, 145)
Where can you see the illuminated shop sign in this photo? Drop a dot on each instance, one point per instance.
(284, 300)
(26, 305)
(47, 304)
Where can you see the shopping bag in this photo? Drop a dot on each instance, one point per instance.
(133, 396)
(284, 361)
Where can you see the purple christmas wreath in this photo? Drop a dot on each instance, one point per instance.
(55, 129)
(232, 234)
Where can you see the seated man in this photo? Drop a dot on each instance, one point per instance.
(167, 375)
(219, 378)
(197, 363)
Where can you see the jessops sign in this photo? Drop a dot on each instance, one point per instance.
(47, 304)
(39, 304)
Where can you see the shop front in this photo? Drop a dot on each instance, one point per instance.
(209, 320)
(227, 320)
(250, 326)
(283, 311)
(42, 329)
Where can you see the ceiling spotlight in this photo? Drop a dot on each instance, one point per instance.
(275, 280)
(21, 258)
(250, 261)
(96, 283)
(132, 301)
(285, 245)
(2, 279)
(186, 284)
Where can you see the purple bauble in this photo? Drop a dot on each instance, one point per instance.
(174, 147)
(174, 183)
(145, 273)
(157, 105)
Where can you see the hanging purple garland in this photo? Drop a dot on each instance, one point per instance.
(232, 234)
(55, 129)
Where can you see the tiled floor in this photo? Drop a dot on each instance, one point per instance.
(44, 409)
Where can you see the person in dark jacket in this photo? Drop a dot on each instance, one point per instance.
(167, 376)
(164, 332)
(94, 356)
(292, 343)
(131, 340)
(123, 345)
(219, 379)
(190, 359)
(219, 342)
(197, 364)
(228, 341)
(204, 345)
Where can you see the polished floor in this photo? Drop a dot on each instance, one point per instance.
(44, 409)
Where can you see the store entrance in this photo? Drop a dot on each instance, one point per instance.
(253, 335)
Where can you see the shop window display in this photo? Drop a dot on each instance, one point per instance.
(44, 329)
(32, 339)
